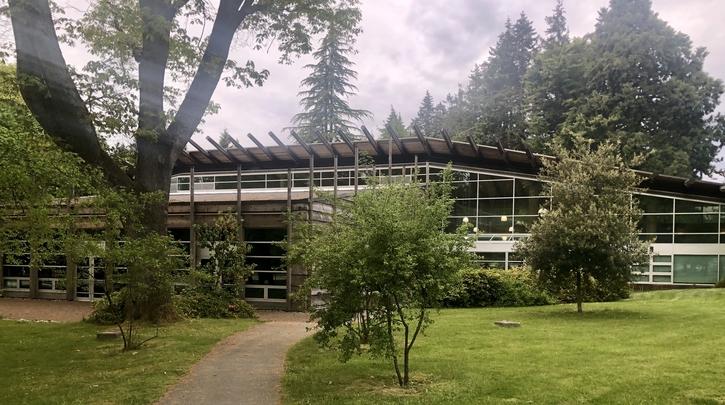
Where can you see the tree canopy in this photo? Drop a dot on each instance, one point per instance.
(134, 48)
(326, 110)
(589, 238)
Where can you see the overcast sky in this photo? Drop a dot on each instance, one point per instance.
(408, 46)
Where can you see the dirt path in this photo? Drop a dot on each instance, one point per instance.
(44, 310)
(246, 368)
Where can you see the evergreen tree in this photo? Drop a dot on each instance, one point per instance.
(395, 121)
(495, 93)
(225, 139)
(326, 109)
(637, 81)
(557, 32)
(426, 116)
(550, 81)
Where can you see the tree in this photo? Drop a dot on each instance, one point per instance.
(395, 121)
(635, 81)
(38, 183)
(590, 236)
(225, 139)
(557, 32)
(325, 109)
(383, 262)
(135, 46)
(494, 97)
(426, 115)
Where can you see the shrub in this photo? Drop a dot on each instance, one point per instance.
(592, 291)
(477, 287)
(720, 284)
(201, 303)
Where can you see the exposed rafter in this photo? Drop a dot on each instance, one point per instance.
(394, 136)
(502, 152)
(372, 140)
(473, 145)
(222, 150)
(305, 146)
(262, 147)
(243, 150)
(347, 140)
(448, 140)
(204, 152)
(422, 140)
(285, 146)
(324, 141)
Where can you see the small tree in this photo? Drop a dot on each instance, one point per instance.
(384, 261)
(216, 288)
(590, 235)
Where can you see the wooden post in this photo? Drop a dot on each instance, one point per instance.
(71, 278)
(357, 167)
(312, 179)
(334, 180)
(390, 159)
(192, 234)
(240, 231)
(289, 237)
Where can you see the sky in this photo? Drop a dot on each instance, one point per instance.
(410, 46)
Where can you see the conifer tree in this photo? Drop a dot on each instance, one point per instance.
(326, 109)
(426, 116)
(557, 31)
(395, 121)
(225, 139)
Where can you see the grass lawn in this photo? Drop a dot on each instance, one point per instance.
(659, 347)
(65, 364)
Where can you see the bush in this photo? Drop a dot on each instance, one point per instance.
(720, 284)
(201, 303)
(477, 287)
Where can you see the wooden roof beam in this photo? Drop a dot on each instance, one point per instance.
(422, 140)
(473, 145)
(243, 150)
(372, 141)
(324, 141)
(502, 151)
(304, 144)
(222, 150)
(449, 142)
(345, 139)
(285, 146)
(204, 152)
(262, 147)
(394, 136)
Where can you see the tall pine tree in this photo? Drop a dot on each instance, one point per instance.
(395, 121)
(326, 109)
(426, 115)
(557, 31)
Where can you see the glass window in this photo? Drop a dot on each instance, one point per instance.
(251, 292)
(661, 279)
(226, 179)
(495, 207)
(656, 223)
(722, 267)
(662, 259)
(662, 238)
(501, 188)
(464, 208)
(494, 224)
(691, 238)
(530, 206)
(265, 234)
(530, 188)
(464, 190)
(695, 206)
(696, 223)
(523, 224)
(650, 204)
(658, 268)
(277, 293)
(693, 269)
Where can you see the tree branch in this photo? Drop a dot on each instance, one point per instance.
(207, 76)
(49, 91)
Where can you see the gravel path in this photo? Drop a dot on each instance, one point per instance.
(44, 310)
(245, 368)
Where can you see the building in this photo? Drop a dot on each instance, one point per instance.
(495, 189)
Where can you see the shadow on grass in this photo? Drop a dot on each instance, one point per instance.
(594, 314)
